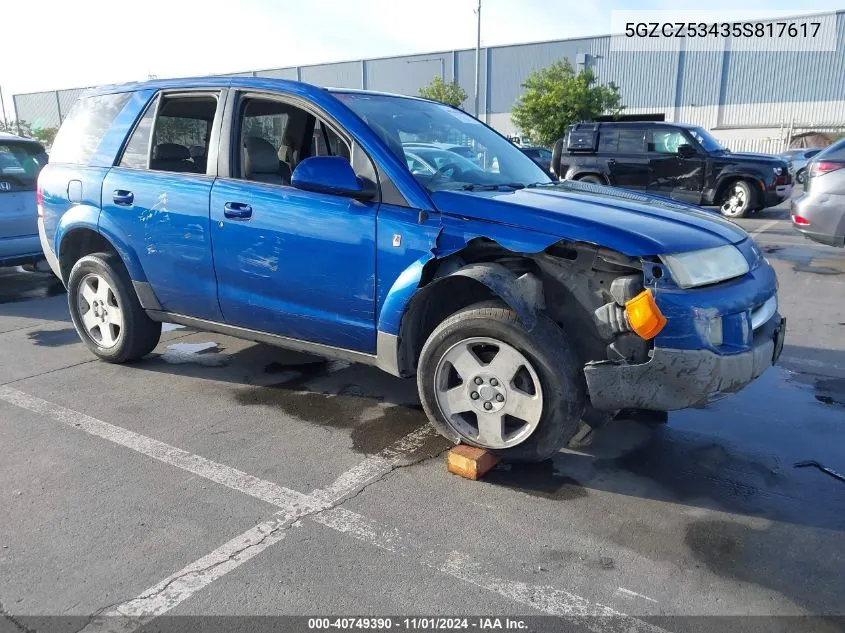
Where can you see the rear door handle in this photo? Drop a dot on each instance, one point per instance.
(123, 198)
(611, 161)
(237, 211)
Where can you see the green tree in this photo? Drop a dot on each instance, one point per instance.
(556, 97)
(13, 126)
(439, 90)
(46, 135)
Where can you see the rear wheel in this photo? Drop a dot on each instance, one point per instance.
(737, 200)
(106, 312)
(592, 178)
(485, 380)
(801, 176)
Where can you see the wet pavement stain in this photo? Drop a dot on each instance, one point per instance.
(23, 286)
(830, 391)
(691, 467)
(807, 259)
(206, 354)
(538, 480)
(54, 338)
(374, 423)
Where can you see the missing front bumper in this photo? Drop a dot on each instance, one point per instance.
(677, 379)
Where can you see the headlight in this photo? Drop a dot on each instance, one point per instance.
(707, 266)
(778, 170)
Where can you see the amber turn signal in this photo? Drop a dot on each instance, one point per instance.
(644, 316)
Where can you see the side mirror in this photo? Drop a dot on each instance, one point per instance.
(330, 174)
(686, 151)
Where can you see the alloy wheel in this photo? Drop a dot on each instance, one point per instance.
(99, 311)
(488, 392)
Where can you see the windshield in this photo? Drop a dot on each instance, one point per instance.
(707, 141)
(424, 128)
(20, 164)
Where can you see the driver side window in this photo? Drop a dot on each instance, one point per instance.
(666, 140)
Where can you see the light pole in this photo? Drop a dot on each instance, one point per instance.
(477, 56)
(3, 109)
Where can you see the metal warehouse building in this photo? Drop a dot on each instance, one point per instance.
(751, 99)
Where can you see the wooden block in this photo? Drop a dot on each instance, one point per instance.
(470, 462)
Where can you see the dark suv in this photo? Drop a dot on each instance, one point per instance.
(675, 160)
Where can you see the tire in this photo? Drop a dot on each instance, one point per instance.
(550, 414)
(801, 177)
(737, 200)
(106, 312)
(598, 180)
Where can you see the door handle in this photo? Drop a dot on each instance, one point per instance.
(123, 198)
(611, 161)
(237, 211)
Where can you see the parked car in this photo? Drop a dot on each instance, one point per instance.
(21, 160)
(683, 162)
(539, 155)
(461, 150)
(518, 302)
(819, 212)
(797, 160)
(422, 160)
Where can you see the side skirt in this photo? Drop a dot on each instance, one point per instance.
(263, 337)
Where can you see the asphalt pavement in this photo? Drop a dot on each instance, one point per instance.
(220, 477)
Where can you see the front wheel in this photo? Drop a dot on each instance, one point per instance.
(485, 380)
(106, 312)
(737, 200)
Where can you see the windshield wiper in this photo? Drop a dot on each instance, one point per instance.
(479, 187)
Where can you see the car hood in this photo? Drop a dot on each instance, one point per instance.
(748, 157)
(632, 223)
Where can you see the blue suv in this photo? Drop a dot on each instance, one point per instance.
(288, 214)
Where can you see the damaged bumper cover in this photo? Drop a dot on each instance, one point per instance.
(679, 378)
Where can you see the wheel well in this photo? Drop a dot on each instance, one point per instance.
(79, 243)
(430, 307)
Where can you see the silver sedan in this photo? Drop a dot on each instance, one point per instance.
(819, 212)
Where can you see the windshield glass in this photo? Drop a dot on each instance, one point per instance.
(20, 164)
(444, 148)
(707, 141)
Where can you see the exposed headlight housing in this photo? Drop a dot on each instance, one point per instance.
(707, 266)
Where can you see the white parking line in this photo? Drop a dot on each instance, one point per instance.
(765, 227)
(173, 590)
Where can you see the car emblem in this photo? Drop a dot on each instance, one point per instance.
(5, 186)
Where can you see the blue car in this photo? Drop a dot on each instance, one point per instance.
(284, 213)
(21, 160)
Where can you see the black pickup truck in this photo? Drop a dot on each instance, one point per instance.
(675, 160)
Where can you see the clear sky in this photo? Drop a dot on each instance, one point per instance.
(50, 44)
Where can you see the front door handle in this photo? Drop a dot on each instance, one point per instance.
(123, 198)
(611, 161)
(237, 211)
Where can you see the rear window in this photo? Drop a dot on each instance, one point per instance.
(20, 164)
(834, 152)
(85, 126)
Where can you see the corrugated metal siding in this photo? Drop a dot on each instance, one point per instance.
(406, 75)
(342, 75)
(278, 73)
(513, 64)
(465, 61)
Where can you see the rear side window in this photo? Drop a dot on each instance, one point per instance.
(173, 135)
(85, 126)
(631, 140)
(20, 164)
(608, 137)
